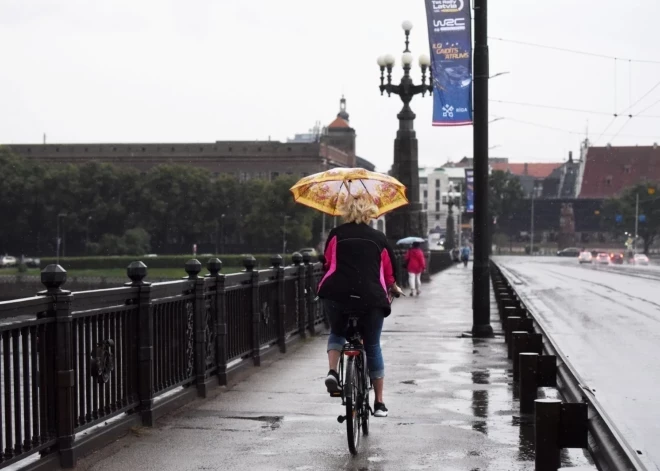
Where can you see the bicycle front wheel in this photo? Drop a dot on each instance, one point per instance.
(353, 405)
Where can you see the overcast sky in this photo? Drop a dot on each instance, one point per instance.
(207, 70)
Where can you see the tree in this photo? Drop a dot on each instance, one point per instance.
(505, 196)
(618, 214)
(108, 209)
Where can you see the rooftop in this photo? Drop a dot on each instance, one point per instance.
(609, 170)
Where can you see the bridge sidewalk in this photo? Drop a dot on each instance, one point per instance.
(450, 400)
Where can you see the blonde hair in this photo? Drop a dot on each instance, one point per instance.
(359, 209)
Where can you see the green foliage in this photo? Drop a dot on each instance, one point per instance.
(624, 205)
(109, 210)
(505, 196)
(167, 261)
(133, 242)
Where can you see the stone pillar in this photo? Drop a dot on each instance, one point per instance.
(410, 220)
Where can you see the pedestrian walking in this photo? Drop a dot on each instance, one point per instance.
(415, 264)
(465, 255)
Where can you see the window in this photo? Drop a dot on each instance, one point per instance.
(274, 175)
(437, 183)
(626, 168)
(608, 180)
(201, 149)
(426, 206)
(230, 149)
(426, 194)
(437, 195)
(437, 217)
(437, 206)
(172, 149)
(29, 149)
(86, 149)
(444, 199)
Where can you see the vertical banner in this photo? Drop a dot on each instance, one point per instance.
(450, 42)
(469, 190)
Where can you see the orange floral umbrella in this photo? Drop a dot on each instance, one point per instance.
(326, 191)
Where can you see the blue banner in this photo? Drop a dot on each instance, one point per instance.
(469, 190)
(450, 41)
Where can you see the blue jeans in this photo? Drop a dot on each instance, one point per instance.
(371, 326)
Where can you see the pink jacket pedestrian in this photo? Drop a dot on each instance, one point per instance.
(415, 261)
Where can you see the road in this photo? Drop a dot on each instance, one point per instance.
(606, 320)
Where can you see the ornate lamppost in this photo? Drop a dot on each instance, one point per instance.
(410, 220)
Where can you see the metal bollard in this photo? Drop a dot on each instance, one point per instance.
(547, 371)
(511, 324)
(519, 343)
(508, 311)
(534, 342)
(546, 434)
(528, 381)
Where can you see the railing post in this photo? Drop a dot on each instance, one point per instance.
(137, 271)
(193, 268)
(546, 434)
(250, 263)
(519, 341)
(276, 262)
(214, 266)
(309, 292)
(53, 277)
(302, 305)
(528, 381)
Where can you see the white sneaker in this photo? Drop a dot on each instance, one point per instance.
(380, 410)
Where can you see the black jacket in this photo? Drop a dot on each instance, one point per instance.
(360, 266)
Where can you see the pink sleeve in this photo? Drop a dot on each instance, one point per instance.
(388, 270)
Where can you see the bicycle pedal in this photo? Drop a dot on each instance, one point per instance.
(335, 394)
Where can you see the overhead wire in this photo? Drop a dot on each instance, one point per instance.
(574, 51)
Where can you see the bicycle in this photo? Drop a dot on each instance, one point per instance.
(354, 383)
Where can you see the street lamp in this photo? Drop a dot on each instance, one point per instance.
(222, 234)
(59, 239)
(284, 234)
(409, 220)
(89, 218)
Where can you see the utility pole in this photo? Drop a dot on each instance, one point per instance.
(636, 222)
(531, 240)
(481, 269)
(459, 216)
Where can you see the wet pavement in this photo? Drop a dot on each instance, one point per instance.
(606, 320)
(451, 403)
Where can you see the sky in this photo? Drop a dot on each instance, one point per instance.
(210, 70)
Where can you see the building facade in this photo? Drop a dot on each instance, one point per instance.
(333, 146)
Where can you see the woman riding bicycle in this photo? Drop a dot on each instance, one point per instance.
(360, 276)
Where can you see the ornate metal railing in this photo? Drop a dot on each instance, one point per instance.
(120, 357)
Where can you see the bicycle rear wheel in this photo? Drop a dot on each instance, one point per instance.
(364, 380)
(352, 398)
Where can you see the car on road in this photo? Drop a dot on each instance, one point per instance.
(616, 258)
(585, 257)
(569, 252)
(312, 252)
(603, 259)
(640, 259)
(32, 262)
(7, 261)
